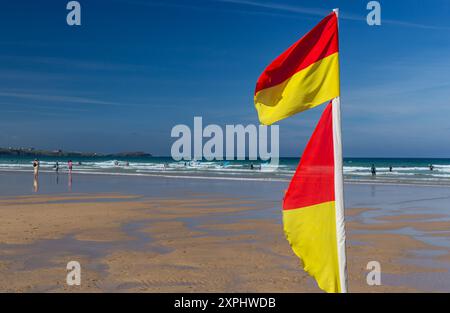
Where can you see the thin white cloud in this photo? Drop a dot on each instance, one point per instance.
(279, 6)
(154, 103)
(191, 6)
(322, 12)
(58, 98)
(73, 63)
(286, 8)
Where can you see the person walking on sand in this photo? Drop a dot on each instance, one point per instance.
(36, 167)
(70, 165)
(374, 170)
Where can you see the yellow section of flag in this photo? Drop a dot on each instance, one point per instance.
(311, 231)
(308, 88)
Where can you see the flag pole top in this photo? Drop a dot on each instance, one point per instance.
(336, 11)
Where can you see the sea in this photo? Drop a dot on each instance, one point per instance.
(356, 170)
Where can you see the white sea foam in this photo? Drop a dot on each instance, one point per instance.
(235, 170)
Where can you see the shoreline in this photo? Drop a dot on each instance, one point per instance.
(349, 181)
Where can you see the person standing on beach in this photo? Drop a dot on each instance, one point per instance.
(56, 167)
(374, 170)
(70, 164)
(36, 167)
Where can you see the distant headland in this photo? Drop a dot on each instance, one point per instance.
(31, 152)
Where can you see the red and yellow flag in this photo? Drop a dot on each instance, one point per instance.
(304, 76)
(313, 213)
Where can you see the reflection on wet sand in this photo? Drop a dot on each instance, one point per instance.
(199, 243)
(36, 183)
(202, 235)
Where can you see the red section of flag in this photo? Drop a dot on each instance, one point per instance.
(320, 42)
(313, 181)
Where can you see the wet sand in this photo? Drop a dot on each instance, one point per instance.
(217, 241)
(165, 251)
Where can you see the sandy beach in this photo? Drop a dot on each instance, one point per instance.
(134, 234)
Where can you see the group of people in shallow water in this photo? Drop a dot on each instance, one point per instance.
(56, 168)
(373, 169)
(36, 165)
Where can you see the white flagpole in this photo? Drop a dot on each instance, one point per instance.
(339, 189)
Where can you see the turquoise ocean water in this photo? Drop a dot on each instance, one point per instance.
(356, 170)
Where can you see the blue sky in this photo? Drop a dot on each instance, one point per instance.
(134, 69)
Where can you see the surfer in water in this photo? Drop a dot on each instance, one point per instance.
(431, 167)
